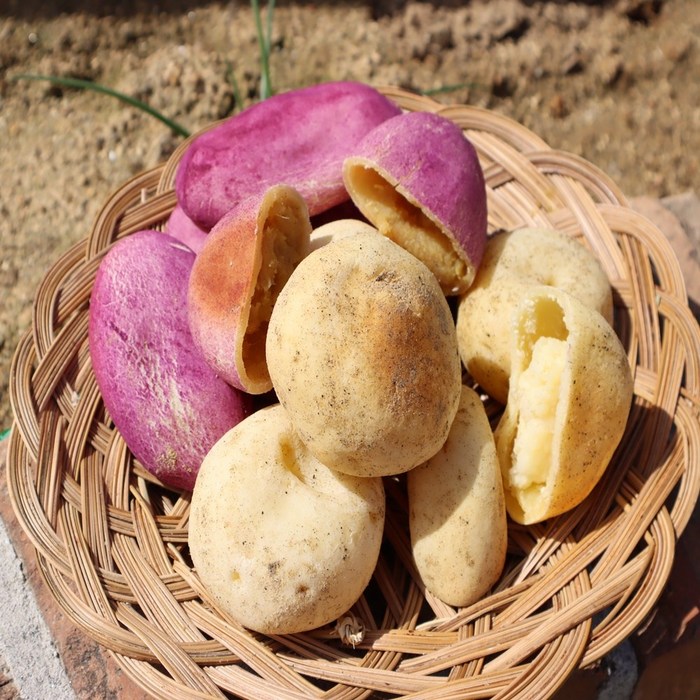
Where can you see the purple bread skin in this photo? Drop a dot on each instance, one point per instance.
(167, 403)
(180, 226)
(298, 137)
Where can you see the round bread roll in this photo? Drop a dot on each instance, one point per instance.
(362, 352)
(570, 395)
(512, 261)
(281, 542)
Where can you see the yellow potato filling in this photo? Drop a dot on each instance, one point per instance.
(538, 395)
(406, 224)
(283, 247)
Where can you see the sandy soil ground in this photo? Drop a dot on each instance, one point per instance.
(615, 81)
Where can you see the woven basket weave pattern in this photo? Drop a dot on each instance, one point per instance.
(112, 543)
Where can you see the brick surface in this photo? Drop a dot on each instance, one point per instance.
(686, 206)
(673, 675)
(683, 235)
(674, 625)
(671, 636)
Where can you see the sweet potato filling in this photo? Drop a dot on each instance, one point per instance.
(408, 225)
(284, 243)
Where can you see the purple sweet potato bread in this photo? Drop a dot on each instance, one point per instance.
(298, 137)
(241, 269)
(180, 226)
(417, 178)
(165, 400)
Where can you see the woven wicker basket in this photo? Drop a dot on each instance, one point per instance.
(112, 543)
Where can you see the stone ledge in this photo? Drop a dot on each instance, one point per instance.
(90, 669)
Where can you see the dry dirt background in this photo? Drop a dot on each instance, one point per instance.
(617, 82)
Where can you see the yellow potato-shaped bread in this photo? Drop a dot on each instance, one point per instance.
(337, 229)
(282, 543)
(512, 260)
(362, 352)
(568, 403)
(457, 512)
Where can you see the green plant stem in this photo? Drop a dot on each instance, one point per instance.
(96, 87)
(448, 88)
(268, 38)
(231, 77)
(264, 44)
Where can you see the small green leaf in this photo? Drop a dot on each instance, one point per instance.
(96, 87)
(448, 88)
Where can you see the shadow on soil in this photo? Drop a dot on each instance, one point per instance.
(46, 9)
